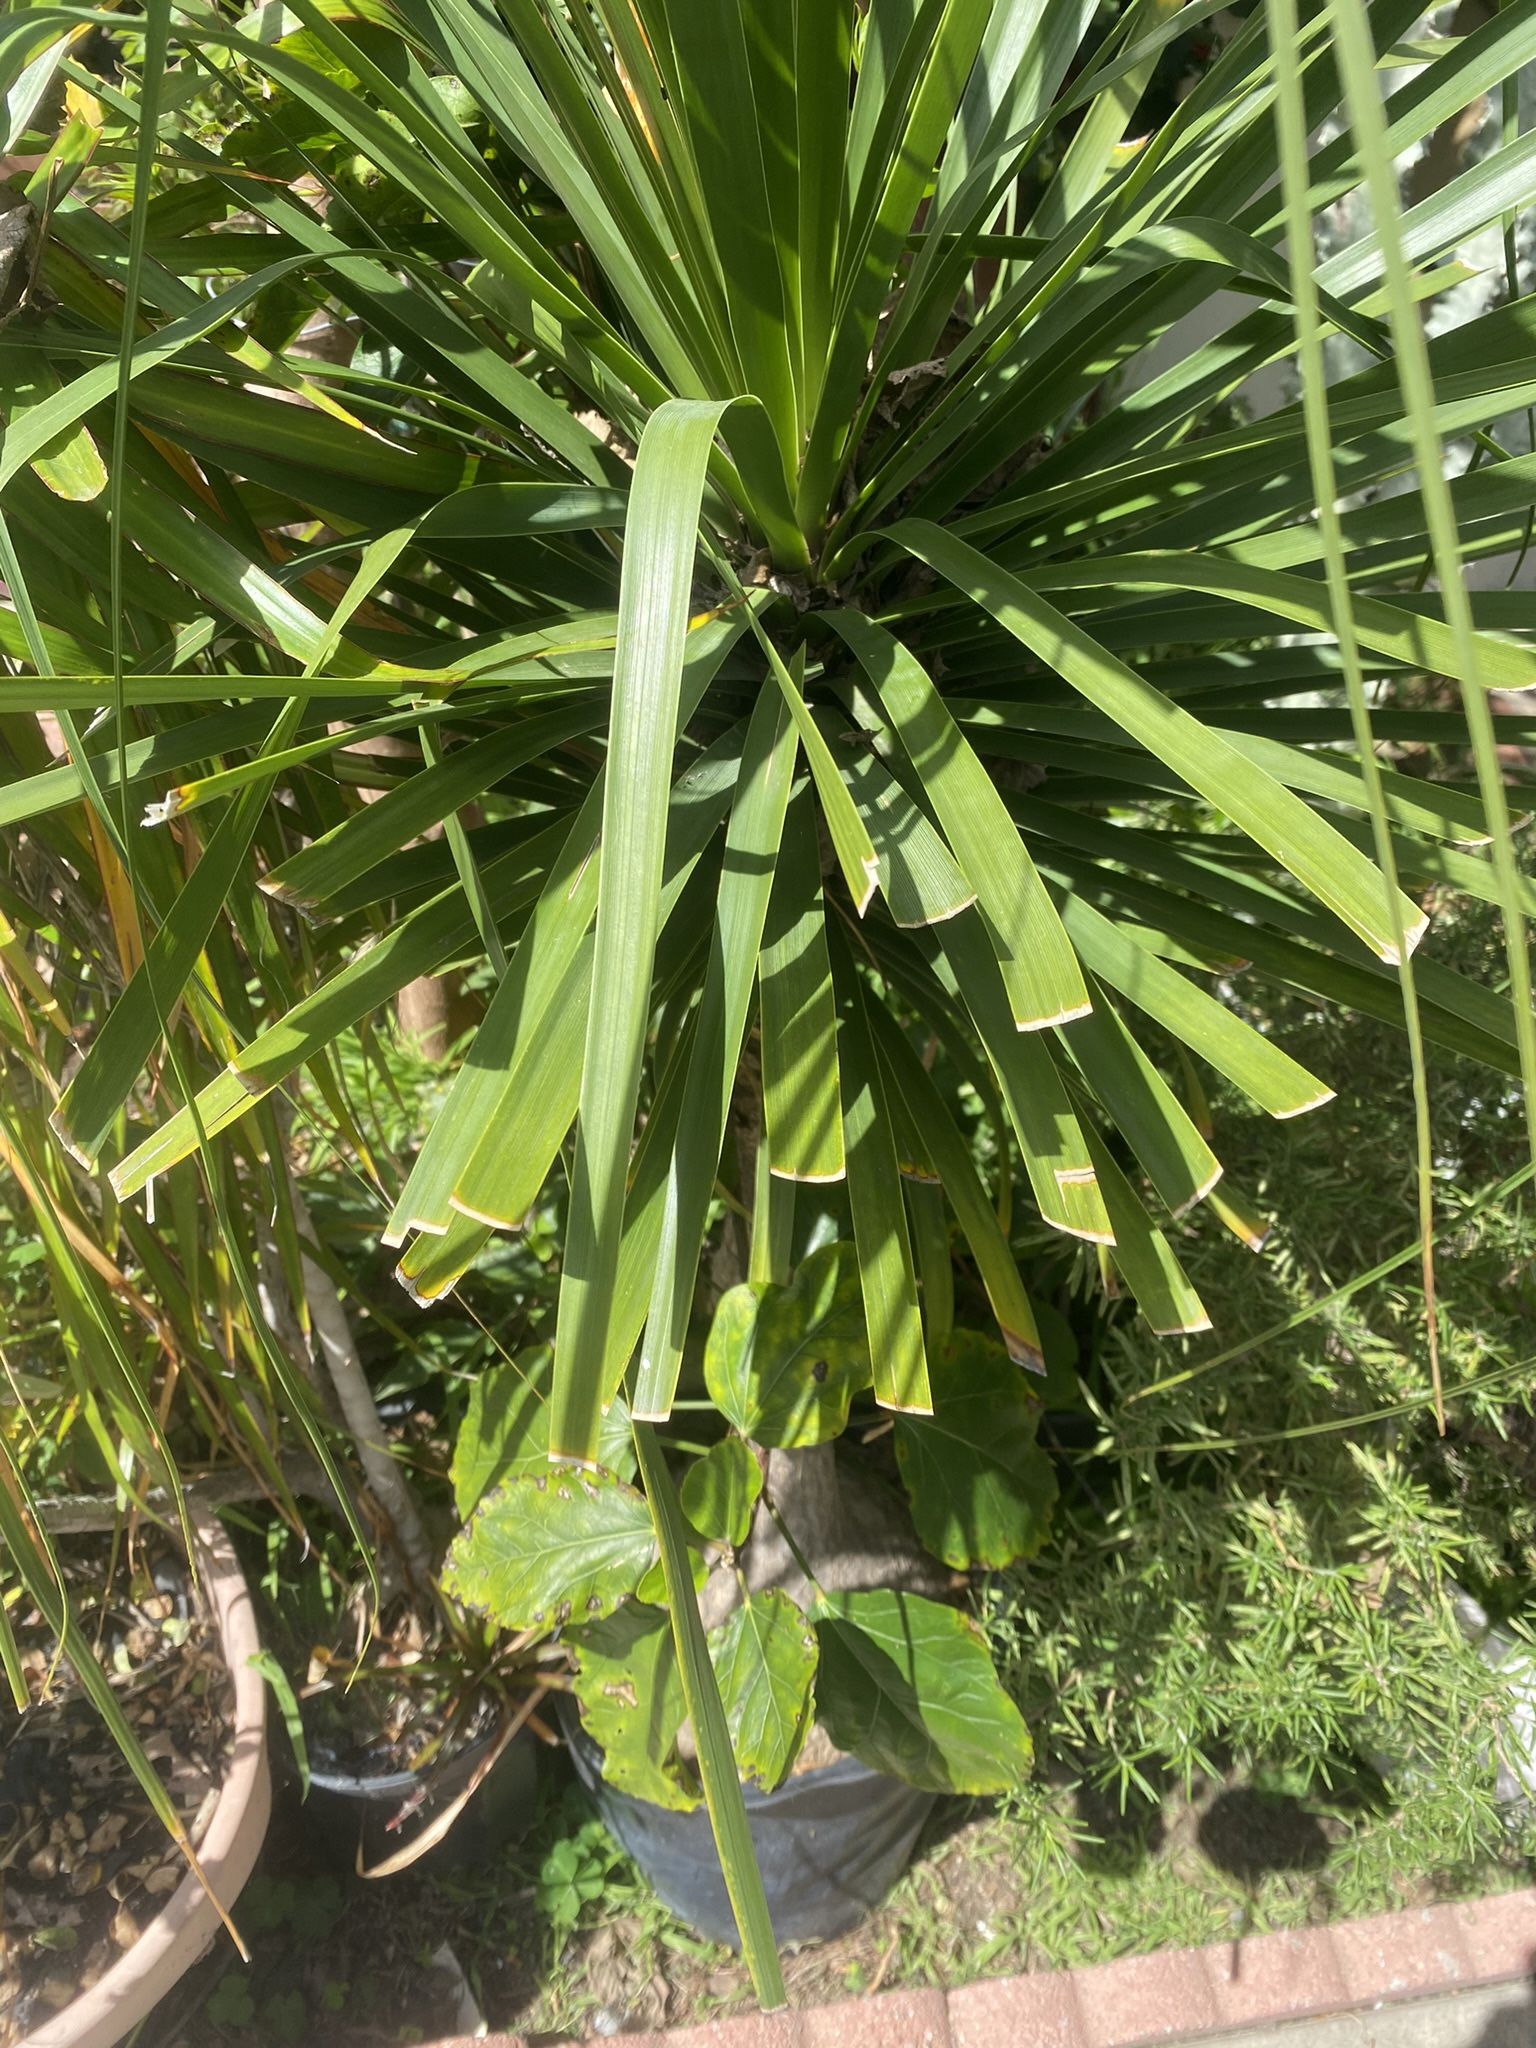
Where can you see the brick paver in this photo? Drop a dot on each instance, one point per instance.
(1499, 1934)
(1038, 2011)
(894, 2019)
(1274, 1976)
(1145, 1998)
(1394, 1955)
(1176, 1995)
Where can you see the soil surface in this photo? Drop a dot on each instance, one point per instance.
(85, 1863)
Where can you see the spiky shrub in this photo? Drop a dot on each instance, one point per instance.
(736, 483)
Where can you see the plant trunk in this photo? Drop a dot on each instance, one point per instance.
(850, 1530)
(386, 1482)
(425, 1011)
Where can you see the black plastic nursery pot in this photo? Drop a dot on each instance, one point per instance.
(830, 1844)
(350, 1815)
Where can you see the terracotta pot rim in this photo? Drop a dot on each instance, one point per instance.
(186, 1926)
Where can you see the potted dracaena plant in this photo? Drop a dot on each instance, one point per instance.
(732, 447)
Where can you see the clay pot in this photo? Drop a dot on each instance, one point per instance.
(189, 1924)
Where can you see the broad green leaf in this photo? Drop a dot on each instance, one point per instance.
(907, 1687)
(783, 1363)
(720, 1491)
(765, 1658)
(631, 1697)
(980, 1486)
(549, 1548)
(505, 1431)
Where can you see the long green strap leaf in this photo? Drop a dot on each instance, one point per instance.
(1040, 970)
(1253, 1063)
(1143, 1108)
(1369, 123)
(887, 1274)
(1426, 643)
(437, 931)
(483, 1095)
(801, 1103)
(424, 799)
(918, 875)
(717, 1760)
(1292, 126)
(660, 544)
(1336, 872)
(849, 834)
(1145, 1258)
(751, 852)
(90, 1104)
(1050, 1138)
(912, 1087)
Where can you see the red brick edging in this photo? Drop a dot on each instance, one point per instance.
(1142, 1999)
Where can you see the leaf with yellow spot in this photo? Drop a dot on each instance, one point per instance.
(543, 1549)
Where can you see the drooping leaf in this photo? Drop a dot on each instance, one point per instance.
(980, 1486)
(720, 1491)
(907, 1687)
(783, 1363)
(741, 906)
(765, 1658)
(631, 1697)
(801, 1109)
(887, 1270)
